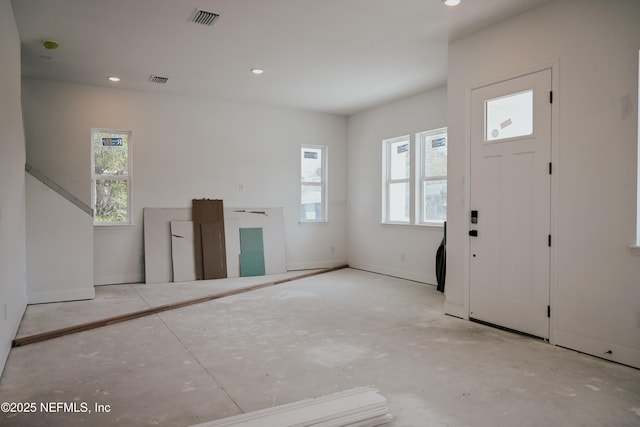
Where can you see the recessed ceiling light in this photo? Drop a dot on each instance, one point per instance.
(114, 78)
(257, 70)
(451, 2)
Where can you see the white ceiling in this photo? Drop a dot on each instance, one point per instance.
(333, 56)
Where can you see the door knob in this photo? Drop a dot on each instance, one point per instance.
(473, 233)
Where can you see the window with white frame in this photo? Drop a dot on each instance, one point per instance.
(433, 175)
(397, 180)
(414, 188)
(111, 176)
(313, 194)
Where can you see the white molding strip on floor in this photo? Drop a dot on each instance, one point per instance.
(358, 407)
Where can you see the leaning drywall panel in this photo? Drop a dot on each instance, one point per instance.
(157, 241)
(182, 251)
(232, 240)
(271, 220)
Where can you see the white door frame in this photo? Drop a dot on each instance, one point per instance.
(555, 70)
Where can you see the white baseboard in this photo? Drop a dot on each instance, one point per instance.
(402, 274)
(118, 279)
(455, 310)
(61, 295)
(311, 265)
(614, 352)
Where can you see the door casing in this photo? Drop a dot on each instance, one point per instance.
(554, 66)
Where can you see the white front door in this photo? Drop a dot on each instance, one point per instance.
(511, 203)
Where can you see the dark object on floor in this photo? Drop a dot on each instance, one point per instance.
(208, 239)
(441, 261)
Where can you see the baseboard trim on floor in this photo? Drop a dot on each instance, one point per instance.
(61, 295)
(18, 342)
(362, 407)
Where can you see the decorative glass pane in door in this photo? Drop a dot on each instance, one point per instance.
(509, 116)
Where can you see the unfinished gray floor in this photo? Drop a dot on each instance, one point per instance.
(298, 340)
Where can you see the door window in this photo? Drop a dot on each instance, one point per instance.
(509, 116)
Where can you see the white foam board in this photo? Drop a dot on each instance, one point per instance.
(157, 241)
(362, 407)
(232, 243)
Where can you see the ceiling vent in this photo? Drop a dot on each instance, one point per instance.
(158, 79)
(203, 17)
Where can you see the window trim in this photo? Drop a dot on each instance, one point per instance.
(415, 180)
(421, 139)
(127, 178)
(387, 181)
(324, 150)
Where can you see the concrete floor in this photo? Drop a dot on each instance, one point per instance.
(298, 340)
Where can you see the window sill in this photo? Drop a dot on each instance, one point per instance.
(434, 226)
(113, 226)
(313, 222)
(635, 249)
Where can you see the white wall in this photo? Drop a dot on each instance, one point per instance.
(595, 280)
(397, 250)
(60, 266)
(185, 148)
(13, 282)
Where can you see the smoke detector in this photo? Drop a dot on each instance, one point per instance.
(50, 44)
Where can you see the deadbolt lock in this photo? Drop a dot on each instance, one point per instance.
(474, 217)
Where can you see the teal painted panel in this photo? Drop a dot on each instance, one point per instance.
(251, 264)
(251, 240)
(251, 252)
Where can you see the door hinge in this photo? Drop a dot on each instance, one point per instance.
(549, 240)
(548, 311)
(551, 97)
(550, 168)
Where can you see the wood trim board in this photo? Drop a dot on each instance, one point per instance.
(209, 239)
(31, 339)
